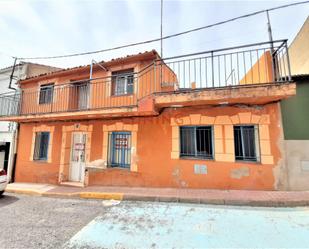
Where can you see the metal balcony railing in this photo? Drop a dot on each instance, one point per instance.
(249, 64)
(259, 63)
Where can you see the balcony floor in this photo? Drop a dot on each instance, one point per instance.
(258, 94)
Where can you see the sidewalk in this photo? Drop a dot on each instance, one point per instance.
(205, 196)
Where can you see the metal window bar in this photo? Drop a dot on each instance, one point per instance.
(245, 140)
(196, 142)
(119, 154)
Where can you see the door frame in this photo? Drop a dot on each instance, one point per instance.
(82, 168)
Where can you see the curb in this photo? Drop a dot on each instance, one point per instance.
(172, 199)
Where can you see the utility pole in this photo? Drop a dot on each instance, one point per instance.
(273, 56)
(161, 29)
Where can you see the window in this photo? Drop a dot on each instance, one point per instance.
(46, 94)
(119, 149)
(246, 143)
(196, 141)
(122, 82)
(41, 146)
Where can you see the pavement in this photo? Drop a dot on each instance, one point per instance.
(39, 222)
(180, 195)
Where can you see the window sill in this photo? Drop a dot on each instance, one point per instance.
(247, 161)
(40, 161)
(122, 95)
(116, 168)
(196, 158)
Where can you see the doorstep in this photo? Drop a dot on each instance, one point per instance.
(73, 184)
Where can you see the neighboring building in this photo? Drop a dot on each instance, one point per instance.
(299, 51)
(294, 113)
(192, 121)
(8, 133)
(295, 117)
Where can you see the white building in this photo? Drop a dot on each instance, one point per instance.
(8, 130)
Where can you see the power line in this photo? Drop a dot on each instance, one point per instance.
(166, 37)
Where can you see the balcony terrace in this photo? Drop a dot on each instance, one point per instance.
(250, 74)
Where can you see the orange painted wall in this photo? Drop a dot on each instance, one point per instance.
(261, 71)
(154, 145)
(146, 82)
(37, 172)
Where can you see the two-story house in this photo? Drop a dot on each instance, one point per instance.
(201, 120)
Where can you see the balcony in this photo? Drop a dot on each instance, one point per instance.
(253, 74)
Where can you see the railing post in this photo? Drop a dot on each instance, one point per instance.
(212, 69)
(288, 60)
(19, 111)
(155, 74)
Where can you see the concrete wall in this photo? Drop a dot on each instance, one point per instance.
(155, 155)
(297, 158)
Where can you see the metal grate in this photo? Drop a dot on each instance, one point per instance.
(196, 141)
(246, 143)
(119, 149)
(41, 146)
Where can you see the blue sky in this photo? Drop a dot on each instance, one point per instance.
(44, 28)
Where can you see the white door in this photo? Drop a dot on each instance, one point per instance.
(77, 165)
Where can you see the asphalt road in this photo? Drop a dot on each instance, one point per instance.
(41, 222)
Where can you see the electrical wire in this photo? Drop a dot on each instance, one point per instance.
(165, 37)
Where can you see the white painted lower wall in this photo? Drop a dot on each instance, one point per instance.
(9, 136)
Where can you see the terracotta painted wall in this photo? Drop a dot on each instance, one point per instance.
(155, 166)
(146, 81)
(32, 171)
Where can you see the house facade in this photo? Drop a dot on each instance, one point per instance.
(202, 120)
(9, 89)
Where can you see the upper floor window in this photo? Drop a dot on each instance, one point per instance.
(122, 82)
(46, 94)
(41, 146)
(246, 143)
(196, 142)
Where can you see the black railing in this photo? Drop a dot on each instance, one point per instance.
(249, 64)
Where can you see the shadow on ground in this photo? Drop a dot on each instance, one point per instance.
(7, 200)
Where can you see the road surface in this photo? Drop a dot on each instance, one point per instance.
(40, 222)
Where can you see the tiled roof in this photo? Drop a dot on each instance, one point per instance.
(105, 63)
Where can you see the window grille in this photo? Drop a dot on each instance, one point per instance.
(196, 142)
(246, 143)
(119, 149)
